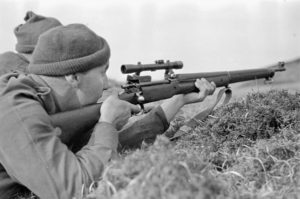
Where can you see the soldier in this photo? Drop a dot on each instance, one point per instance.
(67, 72)
(27, 35)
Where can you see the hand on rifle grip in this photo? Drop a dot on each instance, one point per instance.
(116, 111)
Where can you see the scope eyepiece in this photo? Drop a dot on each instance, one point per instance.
(158, 65)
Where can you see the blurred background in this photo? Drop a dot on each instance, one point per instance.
(207, 35)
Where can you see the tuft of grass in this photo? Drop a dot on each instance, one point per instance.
(159, 172)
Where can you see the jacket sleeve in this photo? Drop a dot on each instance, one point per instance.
(143, 128)
(33, 155)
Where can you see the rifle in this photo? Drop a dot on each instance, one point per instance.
(141, 90)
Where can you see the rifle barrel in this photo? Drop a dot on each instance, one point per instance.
(225, 78)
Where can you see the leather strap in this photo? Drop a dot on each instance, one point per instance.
(199, 118)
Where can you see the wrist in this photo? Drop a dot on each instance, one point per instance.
(171, 106)
(179, 100)
(105, 135)
(105, 120)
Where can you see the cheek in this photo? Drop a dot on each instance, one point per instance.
(99, 86)
(93, 89)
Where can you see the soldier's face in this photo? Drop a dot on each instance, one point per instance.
(91, 85)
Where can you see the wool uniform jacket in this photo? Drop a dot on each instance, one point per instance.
(31, 154)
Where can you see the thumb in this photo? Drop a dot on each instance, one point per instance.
(114, 92)
(134, 108)
(106, 94)
(114, 95)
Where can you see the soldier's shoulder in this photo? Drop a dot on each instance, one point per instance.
(10, 61)
(8, 54)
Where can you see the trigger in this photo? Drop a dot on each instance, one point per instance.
(142, 107)
(142, 110)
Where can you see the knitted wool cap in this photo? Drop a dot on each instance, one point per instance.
(66, 50)
(27, 34)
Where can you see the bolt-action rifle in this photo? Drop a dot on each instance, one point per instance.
(141, 90)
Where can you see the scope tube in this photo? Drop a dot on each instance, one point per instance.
(137, 68)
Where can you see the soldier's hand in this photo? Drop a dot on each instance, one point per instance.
(205, 88)
(116, 111)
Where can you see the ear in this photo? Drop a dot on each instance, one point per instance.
(73, 80)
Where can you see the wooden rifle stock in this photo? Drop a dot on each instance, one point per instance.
(75, 122)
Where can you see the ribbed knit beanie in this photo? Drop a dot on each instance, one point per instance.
(66, 50)
(28, 33)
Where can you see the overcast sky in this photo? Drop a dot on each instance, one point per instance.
(207, 35)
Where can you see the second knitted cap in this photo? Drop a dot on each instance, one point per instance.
(28, 33)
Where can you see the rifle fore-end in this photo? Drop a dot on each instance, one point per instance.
(225, 78)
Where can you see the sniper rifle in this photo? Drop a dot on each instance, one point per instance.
(141, 90)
